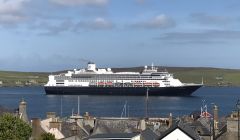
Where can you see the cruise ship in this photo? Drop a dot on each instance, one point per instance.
(96, 81)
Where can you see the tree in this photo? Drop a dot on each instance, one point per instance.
(13, 128)
(47, 136)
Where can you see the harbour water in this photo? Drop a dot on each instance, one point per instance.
(111, 106)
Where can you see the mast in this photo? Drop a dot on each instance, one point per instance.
(78, 106)
(146, 109)
(124, 111)
(128, 111)
(61, 107)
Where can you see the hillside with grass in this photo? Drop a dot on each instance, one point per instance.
(11, 78)
(210, 76)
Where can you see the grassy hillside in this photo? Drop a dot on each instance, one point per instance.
(211, 76)
(10, 78)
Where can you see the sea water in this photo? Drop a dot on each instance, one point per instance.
(38, 103)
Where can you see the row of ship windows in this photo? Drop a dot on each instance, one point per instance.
(117, 77)
(89, 81)
(112, 76)
(109, 79)
(60, 81)
(102, 81)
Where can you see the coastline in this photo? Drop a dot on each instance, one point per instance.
(212, 77)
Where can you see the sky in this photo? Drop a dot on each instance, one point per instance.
(53, 35)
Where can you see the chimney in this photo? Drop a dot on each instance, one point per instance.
(51, 115)
(74, 130)
(215, 119)
(170, 120)
(55, 124)
(23, 111)
(36, 128)
(142, 125)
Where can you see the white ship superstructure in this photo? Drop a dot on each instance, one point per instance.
(92, 76)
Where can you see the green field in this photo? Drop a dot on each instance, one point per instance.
(210, 76)
(10, 78)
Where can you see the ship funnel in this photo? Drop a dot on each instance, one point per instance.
(91, 66)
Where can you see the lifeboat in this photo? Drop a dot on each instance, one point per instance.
(101, 83)
(109, 83)
(155, 84)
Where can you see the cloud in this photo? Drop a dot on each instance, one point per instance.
(140, 1)
(80, 2)
(97, 24)
(206, 37)
(11, 6)
(10, 19)
(203, 18)
(55, 28)
(11, 11)
(50, 28)
(158, 22)
(37, 62)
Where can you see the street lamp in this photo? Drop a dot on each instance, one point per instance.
(238, 108)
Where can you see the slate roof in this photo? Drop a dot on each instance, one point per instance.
(88, 128)
(222, 131)
(115, 126)
(184, 128)
(113, 135)
(148, 134)
(198, 126)
(72, 138)
(67, 130)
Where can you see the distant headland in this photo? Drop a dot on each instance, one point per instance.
(209, 76)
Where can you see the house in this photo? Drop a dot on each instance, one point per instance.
(51, 124)
(202, 128)
(71, 129)
(230, 130)
(179, 131)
